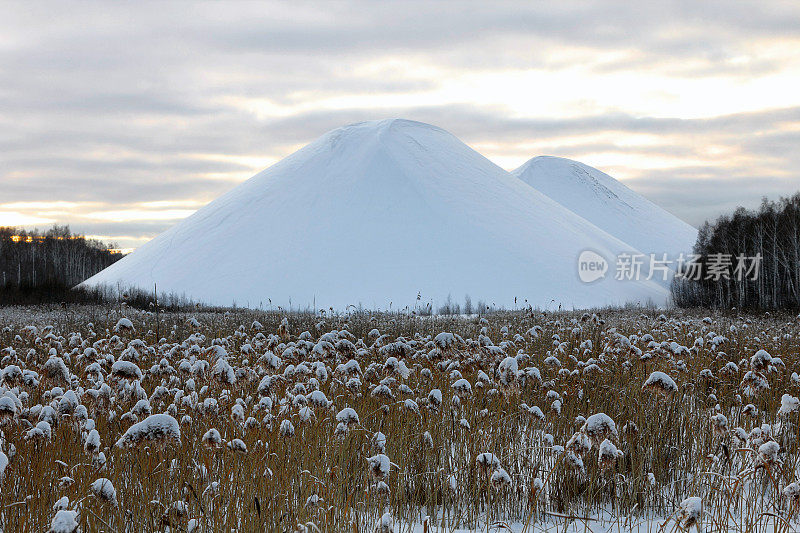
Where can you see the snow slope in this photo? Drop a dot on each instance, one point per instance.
(374, 214)
(609, 205)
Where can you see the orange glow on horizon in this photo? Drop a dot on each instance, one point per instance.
(41, 239)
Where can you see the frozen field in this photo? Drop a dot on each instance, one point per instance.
(121, 420)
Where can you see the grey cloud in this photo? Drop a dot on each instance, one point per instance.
(119, 179)
(576, 151)
(359, 25)
(123, 234)
(491, 124)
(93, 168)
(120, 229)
(112, 192)
(780, 146)
(157, 80)
(698, 194)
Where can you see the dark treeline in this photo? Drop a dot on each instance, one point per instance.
(39, 267)
(759, 252)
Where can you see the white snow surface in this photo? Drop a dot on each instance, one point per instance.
(374, 214)
(609, 205)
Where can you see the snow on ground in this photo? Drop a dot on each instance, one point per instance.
(601, 523)
(385, 214)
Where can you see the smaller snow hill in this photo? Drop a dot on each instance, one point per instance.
(609, 205)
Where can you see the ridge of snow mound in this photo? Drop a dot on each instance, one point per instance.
(609, 205)
(384, 214)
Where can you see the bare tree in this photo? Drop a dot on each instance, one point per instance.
(771, 233)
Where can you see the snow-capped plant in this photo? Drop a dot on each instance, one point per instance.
(104, 490)
(378, 466)
(8, 409)
(487, 461)
(3, 465)
(124, 325)
(155, 429)
(789, 404)
(768, 454)
(462, 387)
(792, 493)
(500, 479)
(347, 416)
(608, 454)
(287, 429)
(507, 371)
(92, 443)
(126, 370)
(760, 361)
(238, 446)
(579, 443)
(719, 424)
(660, 383)
(385, 524)
(435, 398)
(64, 521)
(690, 512)
(599, 427)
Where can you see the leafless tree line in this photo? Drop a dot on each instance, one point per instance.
(54, 258)
(767, 239)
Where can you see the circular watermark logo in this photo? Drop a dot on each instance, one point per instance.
(591, 266)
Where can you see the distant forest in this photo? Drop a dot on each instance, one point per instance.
(750, 259)
(37, 267)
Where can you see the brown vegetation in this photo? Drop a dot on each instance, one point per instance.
(340, 427)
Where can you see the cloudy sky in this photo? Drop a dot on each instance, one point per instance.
(121, 118)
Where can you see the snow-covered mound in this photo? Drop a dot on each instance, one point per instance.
(609, 205)
(378, 213)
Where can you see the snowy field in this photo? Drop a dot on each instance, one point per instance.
(115, 419)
